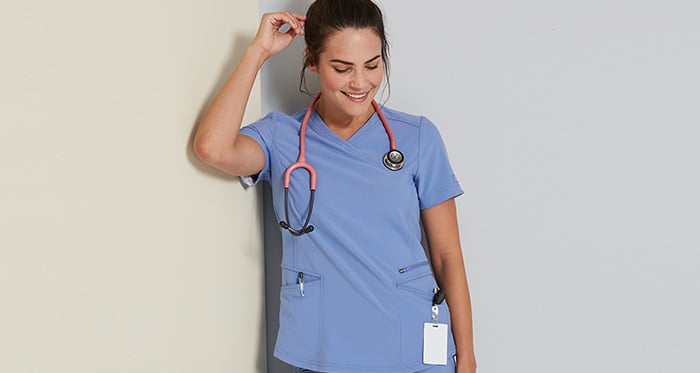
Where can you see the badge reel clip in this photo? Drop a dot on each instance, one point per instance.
(438, 298)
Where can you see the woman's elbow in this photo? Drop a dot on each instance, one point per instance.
(206, 151)
(237, 158)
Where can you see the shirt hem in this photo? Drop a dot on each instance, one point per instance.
(338, 368)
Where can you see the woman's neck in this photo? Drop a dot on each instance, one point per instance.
(342, 125)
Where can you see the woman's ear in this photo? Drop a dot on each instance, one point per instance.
(310, 66)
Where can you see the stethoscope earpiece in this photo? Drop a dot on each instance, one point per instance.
(296, 232)
(393, 160)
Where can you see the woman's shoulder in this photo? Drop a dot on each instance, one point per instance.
(274, 120)
(272, 125)
(279, 116)
(402, 117)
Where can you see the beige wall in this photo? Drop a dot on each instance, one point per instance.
(119, 250)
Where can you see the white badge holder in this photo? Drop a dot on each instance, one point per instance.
(435, 340)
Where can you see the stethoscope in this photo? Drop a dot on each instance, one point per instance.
(393, 160)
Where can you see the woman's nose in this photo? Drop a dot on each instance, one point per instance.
(357, 79)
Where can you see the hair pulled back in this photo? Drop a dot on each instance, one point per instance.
(326, 17)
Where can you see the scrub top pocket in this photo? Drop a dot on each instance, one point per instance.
(300, 315)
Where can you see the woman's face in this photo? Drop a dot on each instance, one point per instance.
(350, 71)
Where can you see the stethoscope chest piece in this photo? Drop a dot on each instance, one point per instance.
(393, 160)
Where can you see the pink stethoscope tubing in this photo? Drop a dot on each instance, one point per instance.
(393, 160)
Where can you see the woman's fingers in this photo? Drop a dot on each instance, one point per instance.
(295, 20)
(269, 37)
(277, 20)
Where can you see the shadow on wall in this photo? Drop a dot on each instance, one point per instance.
(273, 278)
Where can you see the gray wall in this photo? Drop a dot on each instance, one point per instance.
(573, 128)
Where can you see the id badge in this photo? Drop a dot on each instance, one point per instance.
(434, 343)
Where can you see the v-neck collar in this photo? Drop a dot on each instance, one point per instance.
(320, 126)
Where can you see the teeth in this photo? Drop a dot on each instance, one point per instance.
(356, 96)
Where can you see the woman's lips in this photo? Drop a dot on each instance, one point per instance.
(358, 97)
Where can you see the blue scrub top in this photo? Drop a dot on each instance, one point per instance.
(368, 286)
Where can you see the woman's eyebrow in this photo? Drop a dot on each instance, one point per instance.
(350, 63)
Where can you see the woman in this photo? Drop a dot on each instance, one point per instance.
(358, 294)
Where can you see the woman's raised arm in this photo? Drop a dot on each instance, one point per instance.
(217, 142)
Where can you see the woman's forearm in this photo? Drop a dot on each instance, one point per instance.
(451, 277)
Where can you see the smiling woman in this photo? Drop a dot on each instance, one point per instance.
(349, 76)
(357, 290)
(341, 16)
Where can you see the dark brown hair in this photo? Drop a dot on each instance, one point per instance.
(326, 17)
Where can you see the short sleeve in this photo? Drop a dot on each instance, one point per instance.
(435, 180)
(263, 132)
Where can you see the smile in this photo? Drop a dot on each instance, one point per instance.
(356, 96)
